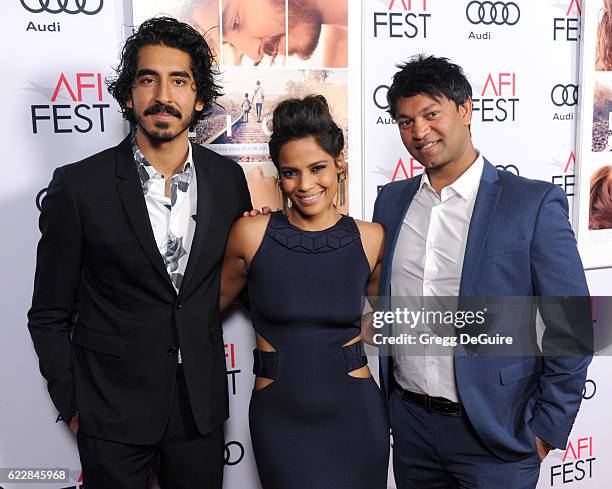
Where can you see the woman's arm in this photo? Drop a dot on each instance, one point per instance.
(243, 242)
(373, 240)
(234, 269)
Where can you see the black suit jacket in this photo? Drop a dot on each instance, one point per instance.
(97, 247)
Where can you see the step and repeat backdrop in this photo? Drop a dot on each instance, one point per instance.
(522, 58)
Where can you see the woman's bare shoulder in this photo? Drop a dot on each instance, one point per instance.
(371, 231)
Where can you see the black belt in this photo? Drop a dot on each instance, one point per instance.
(438, 405)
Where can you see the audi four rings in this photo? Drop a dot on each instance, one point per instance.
(564, 95)
(233, 456)
(87, 7)
(488, 13)
(40, 196)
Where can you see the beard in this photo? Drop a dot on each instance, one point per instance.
(304, 15)
(161, 131)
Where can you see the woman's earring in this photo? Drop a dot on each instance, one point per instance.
(283, 198)
(341, 195)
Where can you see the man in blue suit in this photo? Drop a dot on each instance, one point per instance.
(465, 229)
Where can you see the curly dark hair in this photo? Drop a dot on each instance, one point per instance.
(431, 76)
(169, 32)
(300, 118)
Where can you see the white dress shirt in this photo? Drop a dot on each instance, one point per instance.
(428, 261)
(173, 218)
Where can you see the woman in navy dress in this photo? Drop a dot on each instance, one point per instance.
(317, 417)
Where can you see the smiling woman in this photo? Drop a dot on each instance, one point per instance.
(308, 269)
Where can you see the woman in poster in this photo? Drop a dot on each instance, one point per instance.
(308, 269)
(600, 215)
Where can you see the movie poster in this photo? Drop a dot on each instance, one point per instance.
(594, 216)
(267, 51)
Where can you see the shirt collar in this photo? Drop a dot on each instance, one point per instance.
(466, 183)
(140, 159)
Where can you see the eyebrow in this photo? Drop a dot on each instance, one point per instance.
(148, 71)
(424, 109)
(289, 167)
(145, 71)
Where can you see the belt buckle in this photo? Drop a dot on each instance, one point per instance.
(428, 404)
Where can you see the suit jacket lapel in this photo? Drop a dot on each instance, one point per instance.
(484, 209)
(394, 226)
(204, 177)
(129, 189)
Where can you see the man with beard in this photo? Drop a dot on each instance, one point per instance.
(257, 31)
(135, 235)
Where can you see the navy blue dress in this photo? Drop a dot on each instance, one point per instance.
(314, 427)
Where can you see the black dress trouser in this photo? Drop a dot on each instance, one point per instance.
(182, 459)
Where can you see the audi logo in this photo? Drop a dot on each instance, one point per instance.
(40, 197)
(590, 388)
(72, 7)
(233, 456)
(564, 95)
(511, 168)
(488, 13)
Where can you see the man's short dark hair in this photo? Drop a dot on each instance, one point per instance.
(428, 75)
(166, 31)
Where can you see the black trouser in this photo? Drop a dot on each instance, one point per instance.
(182, 459)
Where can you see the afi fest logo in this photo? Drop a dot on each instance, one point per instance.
(402, 171)
(498, 100)
(567, 178)
(577, 462)
(76, 115)
(72, 7)
(230, 365)
(567, 28)
(403, 19)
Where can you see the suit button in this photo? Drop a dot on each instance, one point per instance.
(172, 351)
(179, 305)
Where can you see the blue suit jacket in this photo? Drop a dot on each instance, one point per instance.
(520, 243)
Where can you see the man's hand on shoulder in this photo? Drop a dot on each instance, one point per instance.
(255, 212)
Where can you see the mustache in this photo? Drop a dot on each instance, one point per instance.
(158, 108)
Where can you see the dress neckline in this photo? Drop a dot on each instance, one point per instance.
(297, 228)
(341, 234)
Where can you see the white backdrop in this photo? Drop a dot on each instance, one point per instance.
(44, 53)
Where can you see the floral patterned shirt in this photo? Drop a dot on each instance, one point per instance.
(172, 218)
